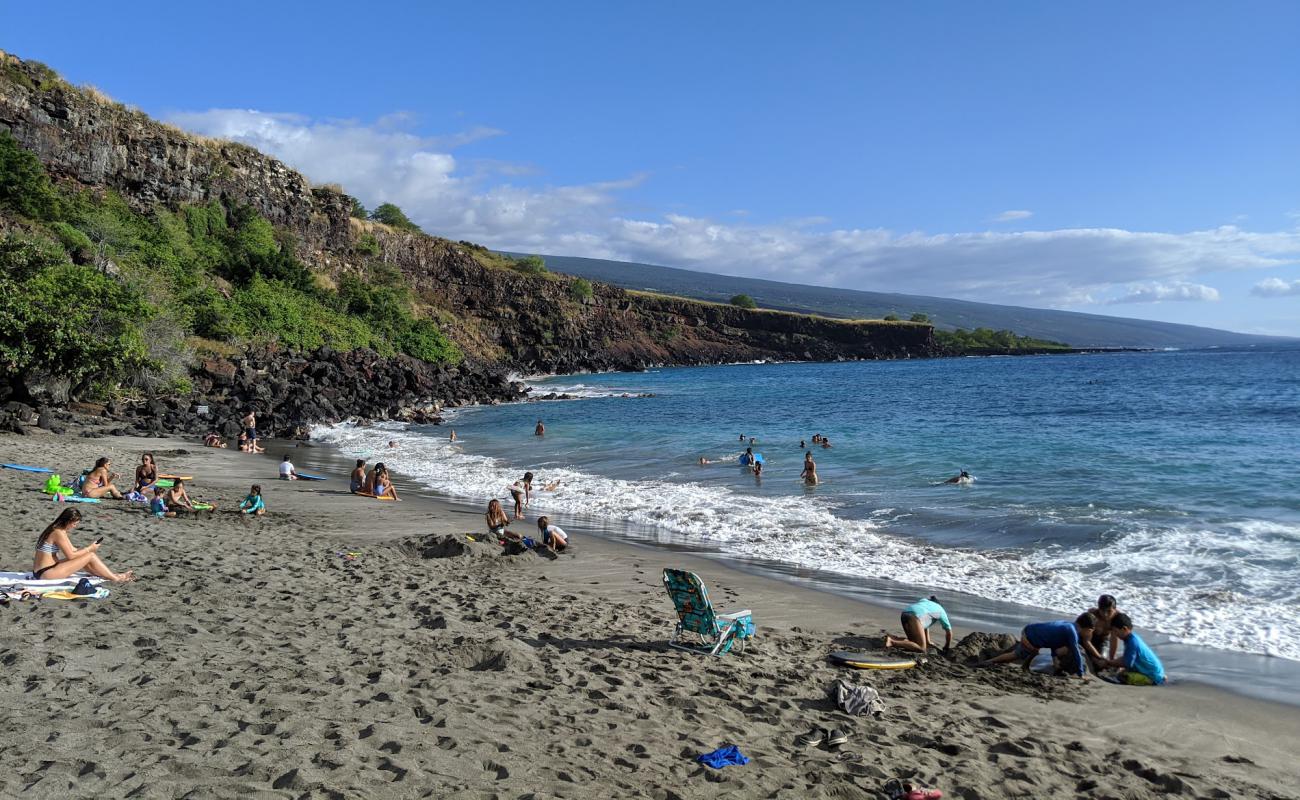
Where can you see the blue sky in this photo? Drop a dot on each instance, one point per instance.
(1131, 159)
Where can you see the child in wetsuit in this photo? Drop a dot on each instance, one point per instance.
(253, 503)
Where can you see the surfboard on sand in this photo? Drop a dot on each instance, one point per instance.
(306, 476)
(867, 661)
(25, 468)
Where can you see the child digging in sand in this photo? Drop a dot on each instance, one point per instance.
(158, 505)
(917, 620)
(253, 503)
(1140, 665)
(1055, 636)
(553, 536)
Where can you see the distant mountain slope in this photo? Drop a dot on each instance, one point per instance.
(1079, 330)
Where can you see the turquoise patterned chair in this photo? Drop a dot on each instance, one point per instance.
(700, 629)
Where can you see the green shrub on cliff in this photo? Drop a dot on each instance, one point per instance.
(394, 217)
(531, 265)
(24, 186)
(581, 290)
(743, 301)
(82, 294)
(66, 320)
(962, 340)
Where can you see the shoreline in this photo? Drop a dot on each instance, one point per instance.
(1239, 673)
(251, 659)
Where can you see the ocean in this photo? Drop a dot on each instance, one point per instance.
(1168, 479)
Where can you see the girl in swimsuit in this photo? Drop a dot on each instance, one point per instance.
(54, 540)
(146, 473)
(809, 473)
(100, 481)
(521, 491)
(383, 485)
(357, 483)
(496, 519)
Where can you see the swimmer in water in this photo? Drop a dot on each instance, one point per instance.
(758, 469)
(392, 443)
(826, 442)
(453, 434)
(540, 430)
(742, 437)
(962, 479)
(803, 445)
(809, 474)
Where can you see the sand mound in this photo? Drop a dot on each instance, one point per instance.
(978, 646)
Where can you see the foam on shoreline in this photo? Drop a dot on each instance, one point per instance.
(807, 532)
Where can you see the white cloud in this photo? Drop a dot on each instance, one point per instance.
(1163, 292)
(1275, 287)
(386, 162)
(1013, 215)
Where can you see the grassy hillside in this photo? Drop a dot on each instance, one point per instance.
(1080, 330)
(103, 296)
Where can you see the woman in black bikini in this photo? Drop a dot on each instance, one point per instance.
(146, 473)
(54, 540)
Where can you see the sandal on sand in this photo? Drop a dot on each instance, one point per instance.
(835, 738)
(812, 738)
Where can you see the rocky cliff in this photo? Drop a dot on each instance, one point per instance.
(497, 315)
(502, 319)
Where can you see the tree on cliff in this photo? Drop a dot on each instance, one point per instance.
(24, 186)
(743, 301)
(919, 317)
(359, 211)
(394, 217)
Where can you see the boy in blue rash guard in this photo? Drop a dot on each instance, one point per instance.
(1061, 634)
(1140, 665)
(917, 620)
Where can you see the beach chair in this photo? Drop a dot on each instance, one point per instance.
(710, 632)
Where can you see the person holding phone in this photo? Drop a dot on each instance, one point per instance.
(54, 541)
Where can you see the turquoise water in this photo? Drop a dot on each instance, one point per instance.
(1166, 479)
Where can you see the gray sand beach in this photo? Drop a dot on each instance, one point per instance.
(256, 658)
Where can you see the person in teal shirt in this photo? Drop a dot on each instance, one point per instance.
(1139, 666)
(253, 503)
(917, 620)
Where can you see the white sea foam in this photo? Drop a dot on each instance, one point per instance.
(1169, 579)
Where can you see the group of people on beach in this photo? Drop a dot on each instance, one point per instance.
(375, 483)
(248, 436)
(1075, 646)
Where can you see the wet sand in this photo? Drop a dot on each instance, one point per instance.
(252, 659)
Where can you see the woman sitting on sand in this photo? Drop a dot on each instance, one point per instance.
(357, 481)
(809, 474)
(917, 620)
(381, 485)
(146, 473)
(99, 482)
(214, 439)
(497, 519)
(54, 540)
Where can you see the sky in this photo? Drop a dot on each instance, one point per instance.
(1133, 159)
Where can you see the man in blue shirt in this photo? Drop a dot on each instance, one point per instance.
(1140, 665)
(1055, 636)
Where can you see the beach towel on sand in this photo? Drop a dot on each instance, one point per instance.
(856, 700)
(723, 757)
